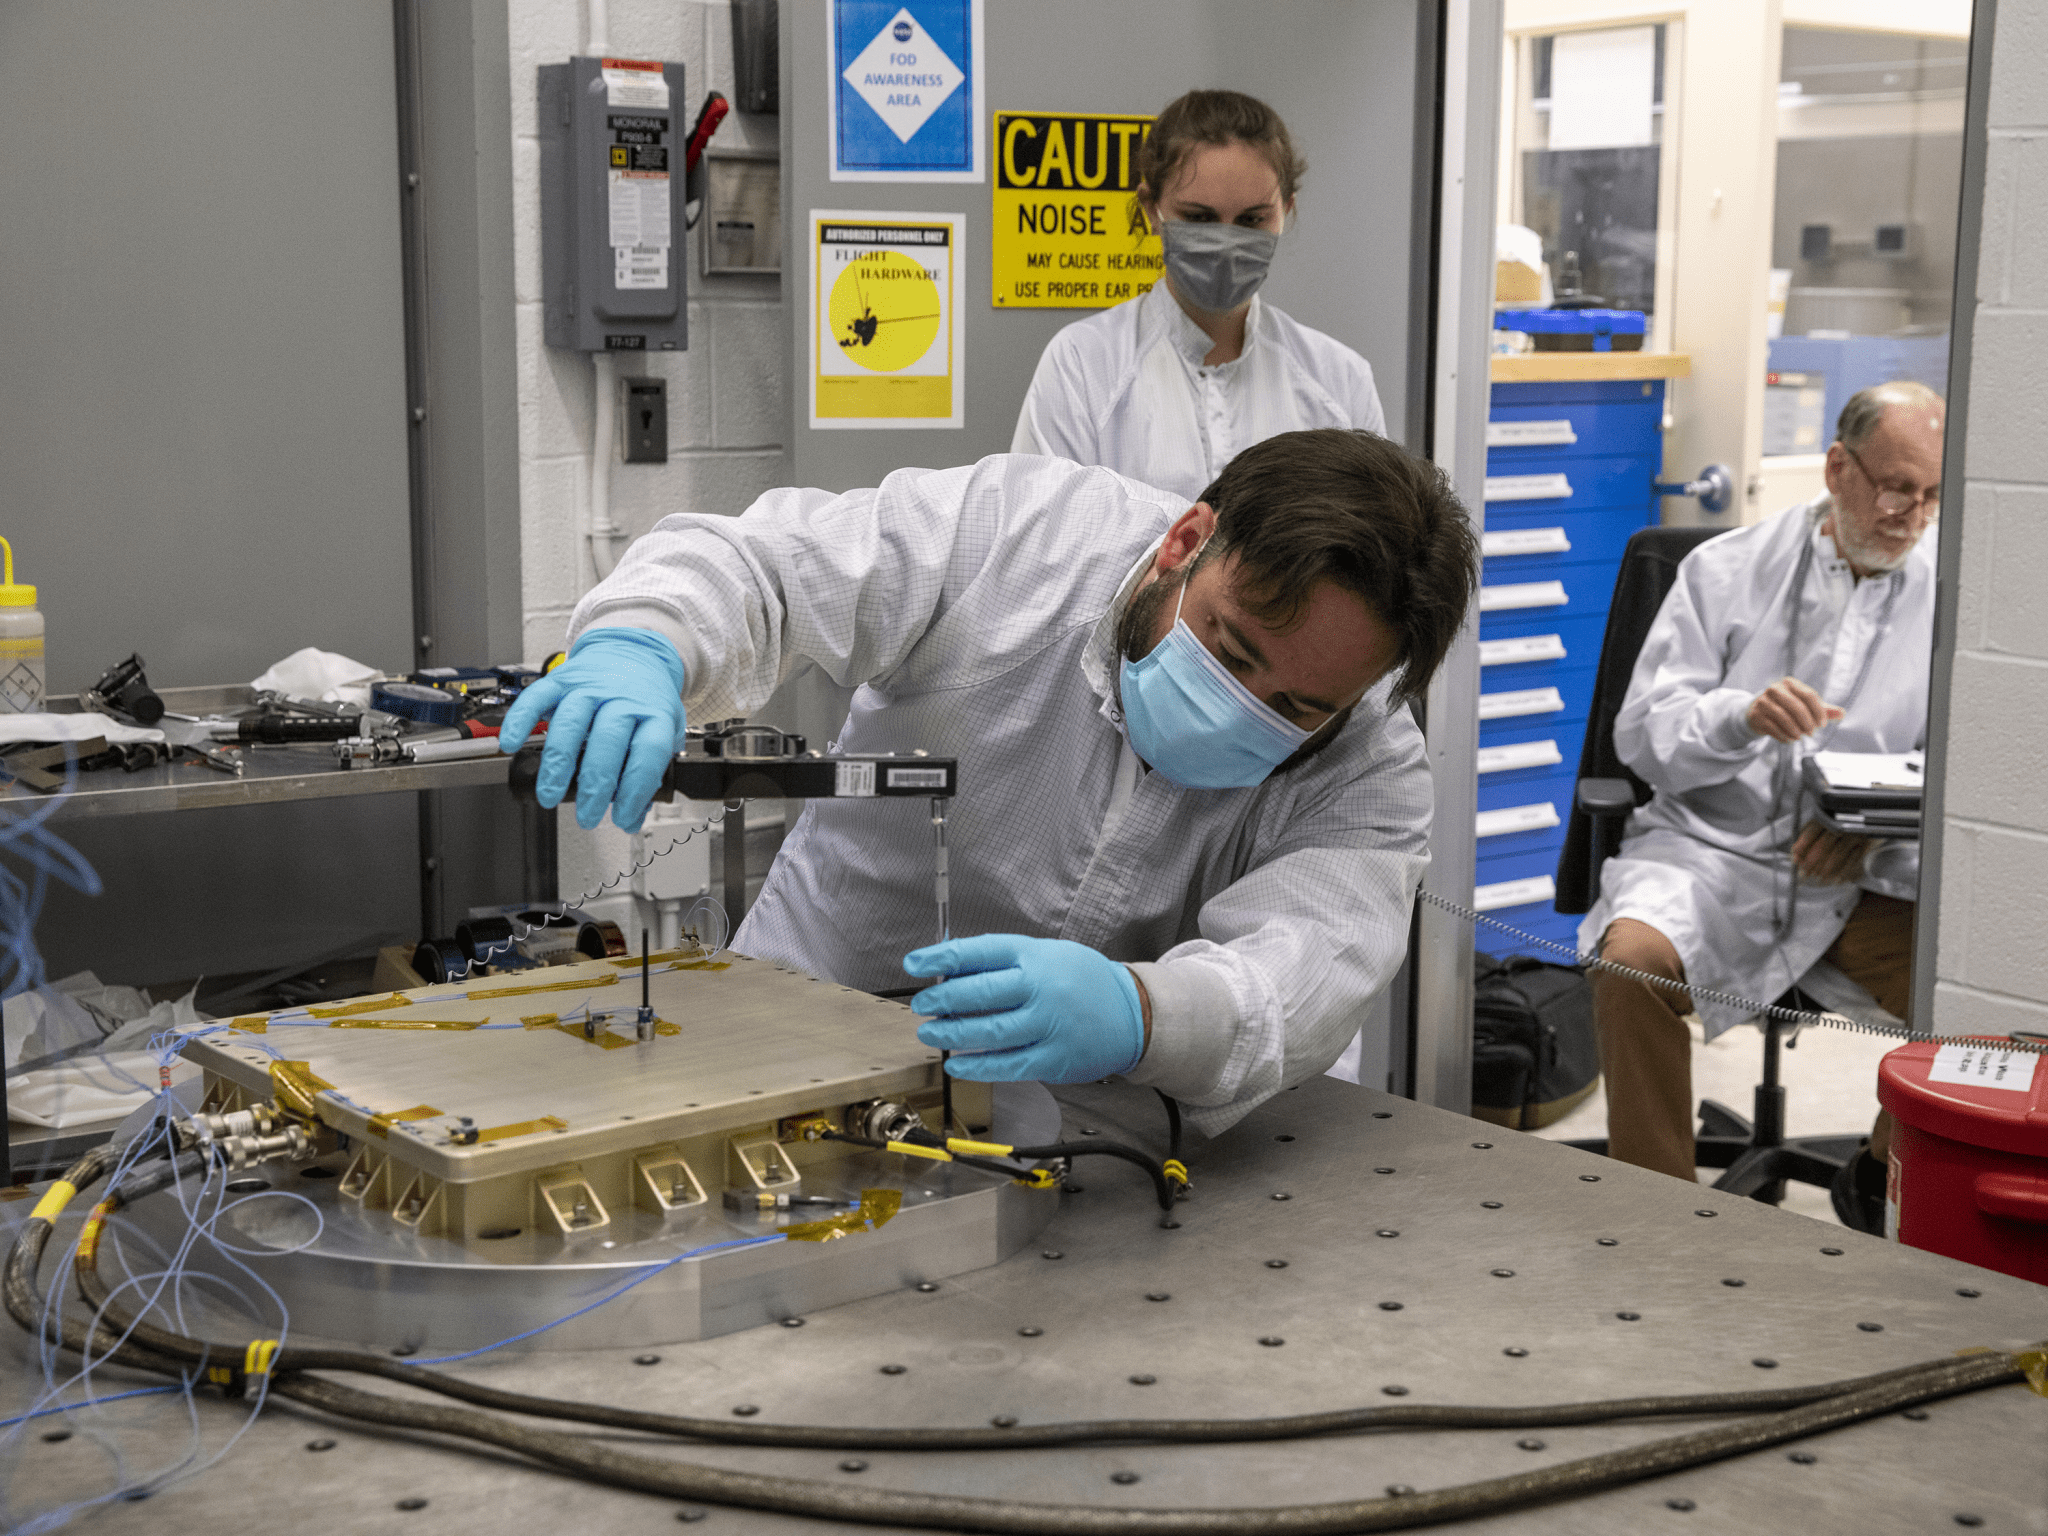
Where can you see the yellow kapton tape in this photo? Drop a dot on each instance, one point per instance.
(410, 1023)
(293, 1085)
(89, 1236)
(362, 1005)
(53, 1202)
(256, 1358)
(877, 1206)
(550, 986)
(380, 1125)
(523, 1128)
(2035, 1363)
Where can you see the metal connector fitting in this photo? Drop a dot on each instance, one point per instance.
(882, 1120)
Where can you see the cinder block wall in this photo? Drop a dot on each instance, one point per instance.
(1992, 972)
(726, 393)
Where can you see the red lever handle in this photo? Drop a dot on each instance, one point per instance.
(712, 114)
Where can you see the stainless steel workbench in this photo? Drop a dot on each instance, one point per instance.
(270, 775)
(1341, 1244)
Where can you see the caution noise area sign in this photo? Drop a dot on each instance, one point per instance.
(1067, 232)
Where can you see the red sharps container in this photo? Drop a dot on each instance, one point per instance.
(1969, 1162)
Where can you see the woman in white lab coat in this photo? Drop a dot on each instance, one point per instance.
(1168, 387)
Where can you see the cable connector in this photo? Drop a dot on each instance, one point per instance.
(769, 1200)
(1177, 1173)
(1039, 1178)
(240, 1138)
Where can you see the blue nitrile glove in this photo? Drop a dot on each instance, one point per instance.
(1041, 1010)
(619, 699)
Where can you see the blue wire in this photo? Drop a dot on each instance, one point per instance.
(91, 1402)
(653, 1270)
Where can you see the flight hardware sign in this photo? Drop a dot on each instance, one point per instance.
(887, 330)
(1067, 234)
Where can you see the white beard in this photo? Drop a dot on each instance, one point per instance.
(1874, 557)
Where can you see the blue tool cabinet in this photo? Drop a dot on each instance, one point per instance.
(1569, 470)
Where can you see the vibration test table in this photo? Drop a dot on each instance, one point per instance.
(1343, 1248)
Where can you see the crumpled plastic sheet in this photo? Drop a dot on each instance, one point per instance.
(98, 1035)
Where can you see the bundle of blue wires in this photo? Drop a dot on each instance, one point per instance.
(31, 857)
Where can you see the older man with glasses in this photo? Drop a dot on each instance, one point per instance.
(1811, 630)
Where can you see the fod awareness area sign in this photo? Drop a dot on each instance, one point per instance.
(906, 90)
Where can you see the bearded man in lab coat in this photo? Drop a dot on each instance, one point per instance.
(1193, 807)
(1811, 630)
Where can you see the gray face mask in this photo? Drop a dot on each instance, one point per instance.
(1216, 266)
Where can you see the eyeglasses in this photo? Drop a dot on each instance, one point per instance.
(1894, 501)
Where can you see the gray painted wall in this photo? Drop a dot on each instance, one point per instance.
(201, 371)
(1342, 73)
(202, 424)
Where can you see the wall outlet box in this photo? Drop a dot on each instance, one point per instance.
(643, 420)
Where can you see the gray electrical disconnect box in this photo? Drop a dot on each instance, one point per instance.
(611, 206)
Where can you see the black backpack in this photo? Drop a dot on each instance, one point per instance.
(1535, 1056)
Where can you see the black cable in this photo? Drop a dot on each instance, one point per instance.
(927, 1138)
(1172, 1123)
(1162, 1186)
(1087, 1432)
(669, 1478)
(296, 1358)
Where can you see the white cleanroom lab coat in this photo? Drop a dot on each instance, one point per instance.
(1707, 861)
(975, 611)
(1128, 389)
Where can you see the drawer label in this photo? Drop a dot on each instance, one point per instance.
(1529, 434)
(1515, 818)
(1520, 754)
(1522, 701)
(1513, 893)
(1525, 541)
(1496, 653)
(1983, 1066)
(1523, 594)
(1526, 487)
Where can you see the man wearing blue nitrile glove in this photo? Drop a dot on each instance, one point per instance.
(1193, 805)
(1031, 1010)
(618, 699)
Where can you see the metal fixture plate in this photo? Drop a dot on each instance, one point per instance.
(753, 1043)
(969, 1358)
(352, 1276)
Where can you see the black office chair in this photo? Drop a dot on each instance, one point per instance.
(1758, 1156)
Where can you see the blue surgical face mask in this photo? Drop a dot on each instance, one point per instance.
(1194, 722)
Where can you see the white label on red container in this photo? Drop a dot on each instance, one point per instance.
(1984, 1066)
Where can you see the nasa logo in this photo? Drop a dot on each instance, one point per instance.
(901, 31)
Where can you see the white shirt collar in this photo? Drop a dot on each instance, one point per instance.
(1827, 554)
(1189, 340)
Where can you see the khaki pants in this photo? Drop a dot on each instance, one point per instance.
(1646, 1049)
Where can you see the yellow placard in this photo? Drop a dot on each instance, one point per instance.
(886, 326)
(1067, 233)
